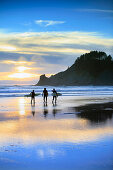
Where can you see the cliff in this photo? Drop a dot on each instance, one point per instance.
(94, 68)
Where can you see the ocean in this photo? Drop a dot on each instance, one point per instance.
(20, 91)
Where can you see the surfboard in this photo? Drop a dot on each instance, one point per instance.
(29, 95)
(58, 94)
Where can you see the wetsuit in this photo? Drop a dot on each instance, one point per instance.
(32, 96)
(54, 95)
(45, 93)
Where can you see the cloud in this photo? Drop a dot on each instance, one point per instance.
(47, 52)
(104, 11)
(16, 62)
(7, 48)
(95, 10)
(47, 23)
(52, 46)
(55, 43)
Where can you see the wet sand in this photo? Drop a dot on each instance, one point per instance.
(75, 133)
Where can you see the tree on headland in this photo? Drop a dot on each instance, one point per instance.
(94, 63)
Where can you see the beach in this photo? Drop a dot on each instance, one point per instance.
(56, 85)
(74, 133)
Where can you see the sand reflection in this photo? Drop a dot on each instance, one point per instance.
(31, 131)
(30, 126)
(21, 104)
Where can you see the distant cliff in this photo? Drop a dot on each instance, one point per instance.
(94, 68)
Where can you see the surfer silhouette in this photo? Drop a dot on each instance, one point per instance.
(32, 97)
(45, 95)
(54, 95)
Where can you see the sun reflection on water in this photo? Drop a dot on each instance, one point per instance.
(22, 106)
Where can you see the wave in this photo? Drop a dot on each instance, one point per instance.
(20, 91)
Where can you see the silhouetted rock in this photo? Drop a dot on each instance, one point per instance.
(94, 68)
(43, 80)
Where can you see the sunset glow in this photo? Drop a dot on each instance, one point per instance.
(21, 75)
(16, 62)
(7, 48)
(33, 45)
(22, 68)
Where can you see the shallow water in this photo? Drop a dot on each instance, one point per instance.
(60, 137)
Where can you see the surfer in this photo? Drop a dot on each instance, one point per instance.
(32, 97)
(54, 95)
(45, 95)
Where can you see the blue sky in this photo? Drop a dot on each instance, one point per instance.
(93, 16)
(51, 34)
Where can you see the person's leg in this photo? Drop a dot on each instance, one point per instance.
(46, 99)
(55, 99)
(31, 100)
(34, 100)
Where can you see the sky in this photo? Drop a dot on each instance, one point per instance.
(46, 36)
